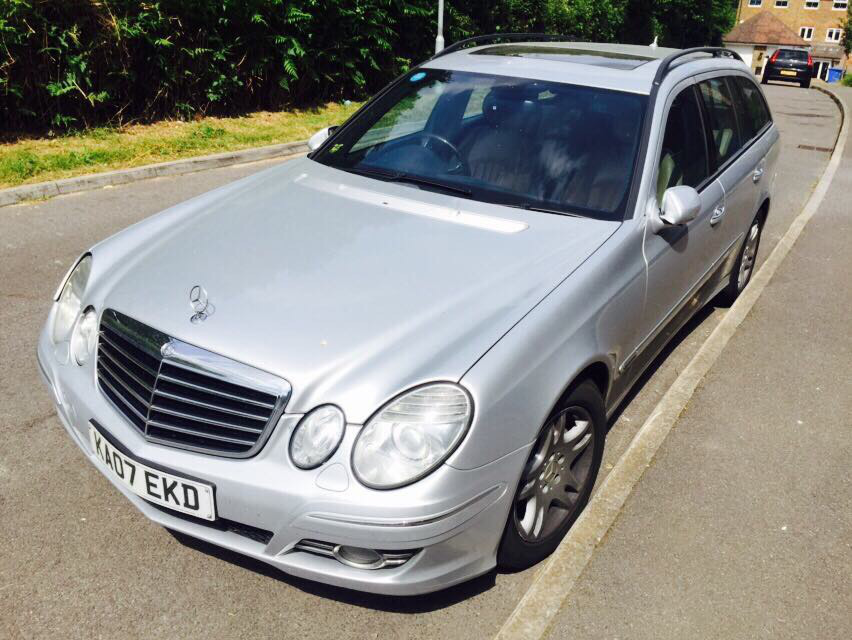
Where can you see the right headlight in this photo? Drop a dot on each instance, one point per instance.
(411, 436)
(69, 303)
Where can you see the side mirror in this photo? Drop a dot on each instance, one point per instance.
(680, 205)
(316, 140)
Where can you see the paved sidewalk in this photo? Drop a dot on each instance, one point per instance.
(742, 527)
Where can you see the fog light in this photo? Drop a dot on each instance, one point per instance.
(358, 557)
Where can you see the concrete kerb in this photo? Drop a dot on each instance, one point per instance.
(53, 188)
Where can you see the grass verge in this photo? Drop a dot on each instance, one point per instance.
(103, 149)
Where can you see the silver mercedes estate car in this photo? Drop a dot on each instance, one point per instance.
(389, 365)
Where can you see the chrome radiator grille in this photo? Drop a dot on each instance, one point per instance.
(180, 395)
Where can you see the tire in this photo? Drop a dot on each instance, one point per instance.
(806, 84)
(748, 252)
(764, 80)
(519, 550)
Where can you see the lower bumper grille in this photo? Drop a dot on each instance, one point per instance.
(180, 395)
(221, 524)
(383, 559)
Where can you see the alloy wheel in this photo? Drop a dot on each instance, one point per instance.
(556, 475)
(749, 254)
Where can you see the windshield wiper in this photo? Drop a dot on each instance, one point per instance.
(371, 172)
(404, 177)
(398, 176)
(529, 207)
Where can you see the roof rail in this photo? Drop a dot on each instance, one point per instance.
(665, 65)
(510, 37)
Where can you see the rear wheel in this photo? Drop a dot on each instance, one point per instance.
(744, 267)
(805, 84)
(557, 479)
(764, 80)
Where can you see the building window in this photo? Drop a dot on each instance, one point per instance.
(806, 33)
(811, 4)
(840, 5)
(833, 35)
(755, 3)
(782, 4)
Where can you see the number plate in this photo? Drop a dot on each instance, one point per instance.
(165, 489)
(788, 73)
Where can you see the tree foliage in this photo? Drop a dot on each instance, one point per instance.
(76, 63)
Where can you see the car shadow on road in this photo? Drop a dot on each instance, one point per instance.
(391, 604)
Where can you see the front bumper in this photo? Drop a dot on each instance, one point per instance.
(455, 517)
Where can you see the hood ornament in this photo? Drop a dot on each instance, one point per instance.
(200, 304)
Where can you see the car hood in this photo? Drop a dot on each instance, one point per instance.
(352, 289)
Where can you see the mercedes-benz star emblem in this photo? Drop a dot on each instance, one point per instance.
(200, 304)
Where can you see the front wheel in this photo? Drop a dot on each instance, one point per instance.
(557, 479)
(744, 267)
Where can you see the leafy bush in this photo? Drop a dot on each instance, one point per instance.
(68, 64)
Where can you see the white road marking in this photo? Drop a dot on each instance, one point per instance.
(556, 578)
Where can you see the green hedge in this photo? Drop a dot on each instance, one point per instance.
(78, 63)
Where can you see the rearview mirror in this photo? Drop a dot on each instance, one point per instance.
(680, 205)
(316, 140)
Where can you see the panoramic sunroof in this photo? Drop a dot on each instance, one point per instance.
(594, 57)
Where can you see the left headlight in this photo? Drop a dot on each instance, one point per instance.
(317, 436)
(69, 303)
(411, 436)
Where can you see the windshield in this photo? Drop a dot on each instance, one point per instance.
(513, 141)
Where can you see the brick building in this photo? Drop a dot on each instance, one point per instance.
(765, 25)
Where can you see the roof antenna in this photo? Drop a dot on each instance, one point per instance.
(653, 45)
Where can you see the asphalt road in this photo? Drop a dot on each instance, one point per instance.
(80, 561)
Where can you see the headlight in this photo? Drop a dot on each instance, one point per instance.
(317, 437)
(70, 300)
(85, 336)
(411, 436)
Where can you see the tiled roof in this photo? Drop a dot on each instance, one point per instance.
(764, 28)
(827, 51)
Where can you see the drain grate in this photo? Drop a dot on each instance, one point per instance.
(809, 147)
(804, 115)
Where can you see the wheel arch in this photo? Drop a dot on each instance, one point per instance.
(596, 372)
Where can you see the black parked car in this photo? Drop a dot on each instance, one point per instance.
(790, 65)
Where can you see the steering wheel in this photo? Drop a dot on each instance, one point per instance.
(425, 140)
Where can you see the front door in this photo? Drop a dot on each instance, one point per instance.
(679, 258)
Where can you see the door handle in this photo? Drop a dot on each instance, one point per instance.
(757, 175)
(717, 214)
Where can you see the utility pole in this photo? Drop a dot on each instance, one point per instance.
(439, 40)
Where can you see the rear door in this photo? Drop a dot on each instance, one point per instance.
(755, 122)
(736, 164)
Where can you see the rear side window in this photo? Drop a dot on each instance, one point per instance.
(723, 120)
(683, 157)
(752, 111)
